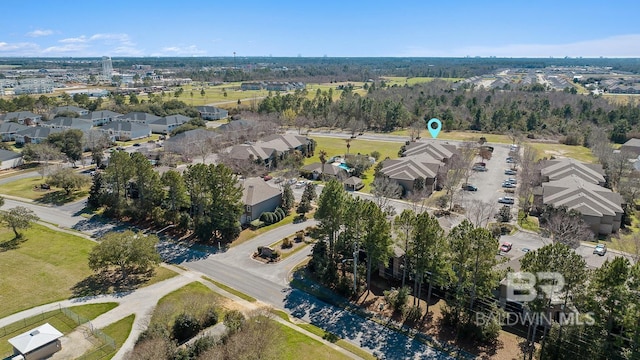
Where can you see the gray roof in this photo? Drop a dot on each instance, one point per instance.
(140, 116)
(236, 125)
(411, 168)
(292, 141)
(245, 152)
(353, 180)
(210, 109)
(433, 149)
(256, 190)
(69, 122)
(560, 168)
(71, 108)
(329, 169)
(38, 132)
(192, 135)
(11, 127)
(579, 194)
(102, 114)
(8, 155)
(125, 126)
(170, 120)
(19, 115)
(632, 142)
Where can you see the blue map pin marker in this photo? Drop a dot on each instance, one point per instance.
(434, 130)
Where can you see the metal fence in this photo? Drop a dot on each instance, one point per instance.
(80, 320)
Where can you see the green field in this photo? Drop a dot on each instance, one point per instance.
(338, 147)
(174, 303)
(401, 80)
(41, 269)
(580, 153)
(30, 189)
(300, 346)
(119, 331)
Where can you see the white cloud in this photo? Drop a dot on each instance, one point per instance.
(614, 46)
(190, 50)
(39, 33)
(18, 49)
(64, 49)
(79, 39)
(127, 51)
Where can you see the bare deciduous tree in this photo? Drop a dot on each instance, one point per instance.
(384, 189)
(415, 129)
(455, 171)
(565, 226)
(479, 213)
(530, 177)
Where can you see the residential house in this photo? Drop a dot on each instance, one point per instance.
(253, 152)
(315, 170)
(22, 117)
(68, 123)
(68, 109)
(601, 208)
(212, 112)
(252, 86)
(167, 124)
(438, 150)
(139, 117)
(101, 117)
(632, 146)
(36, 344)
(293, 142)
(236, 125)
(185, 143)
(258, 197)
(124, 131)
(35, 135)
(10, 159)
(394, 267)
(8, 130)
(553, 170)
(414, 173)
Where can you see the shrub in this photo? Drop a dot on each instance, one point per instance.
(376, 155)
(443, 201)
(200, 346)
(185, 327)
(330, 337)
(210, 317)
(270, 218)
(281, 213)
(412, 314)
(275, 255)
(504, 215)
(257, 224)
(299, 235)
(397, 299)
(234, 320)
(286, 243)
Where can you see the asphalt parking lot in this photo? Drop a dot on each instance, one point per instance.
(489, 182)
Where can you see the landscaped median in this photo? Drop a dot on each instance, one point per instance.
(286, 247)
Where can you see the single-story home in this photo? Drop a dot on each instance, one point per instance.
(22, 117)
(166, 124)
(68, 123)
(10, 159)
(212, 112)
(413, 172)
(253, 152)
(101, 117)
(35, 134)
(66, 109)
(601, 208)
(36, 344)
(123, 131)
(316, 169)
(139, 117)
(258, 197)
(8, 130)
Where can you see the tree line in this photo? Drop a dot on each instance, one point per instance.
(205, 199)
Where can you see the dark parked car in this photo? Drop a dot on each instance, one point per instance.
(469, 187)
(479, 168)
(510, 172)
(508, 185)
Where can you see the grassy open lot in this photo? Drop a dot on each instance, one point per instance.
(30, 189)
(300, 346)
(119, 332)
(174, 303)
(580, 153)
(338, 147)
(153, 137)
(41, 269)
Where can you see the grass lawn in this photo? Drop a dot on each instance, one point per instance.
(401, 80)
(119, 332)
(53, 262)
(153, 137)
(56, 318)
(342, 343)
(248, 234)
(530, 223)
(30, 189)
(300, 346)
(580, 153)
(338, 147)
(231, 290)
(192, 295)
(92, 311)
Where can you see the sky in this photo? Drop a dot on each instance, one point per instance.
(333, 28)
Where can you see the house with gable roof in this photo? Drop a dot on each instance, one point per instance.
(167, 124)
(36, 344)
(552, 170)
(258, 197)
(8, 130)
(413, 173)
(101, 117)
(22, 117)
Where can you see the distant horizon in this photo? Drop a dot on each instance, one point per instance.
(322, 57)
(336, 29)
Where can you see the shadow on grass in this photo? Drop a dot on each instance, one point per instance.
(60, 197)
(110, 282)
(12, 244)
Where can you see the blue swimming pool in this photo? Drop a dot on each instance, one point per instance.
(344, 166)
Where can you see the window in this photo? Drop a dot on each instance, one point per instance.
(248, 208)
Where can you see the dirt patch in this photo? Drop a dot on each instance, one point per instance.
(75, 344)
